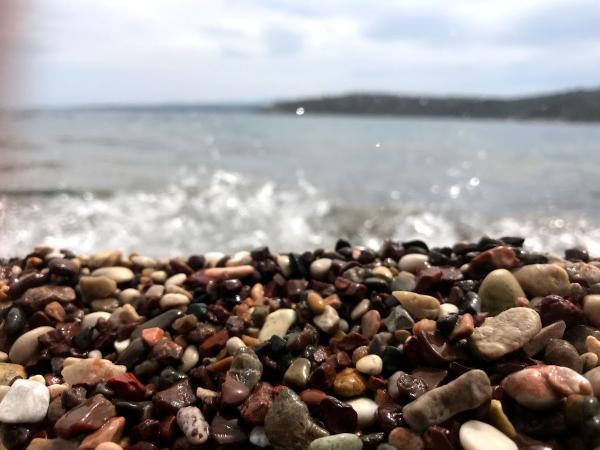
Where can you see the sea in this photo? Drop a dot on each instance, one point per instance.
(167, 181)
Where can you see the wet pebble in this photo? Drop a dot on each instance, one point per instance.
(116, 273)
(591, 308)
(499, 291)
(418, 305)
(192, 423)
(561, 353)
(366, 411)
(85, 417)
(349, 383)
(343, 441)
(25, 348)
(298, 372)
(370, 365)
(543, 279)
(26, 401)
(277, 323)
(328, 320)
(474, 432)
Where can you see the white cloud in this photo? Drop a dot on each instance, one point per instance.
(106, 51)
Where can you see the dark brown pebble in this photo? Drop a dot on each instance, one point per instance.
(337, 416)
(553, 308)
(85, 417)
(25, 282)
(255, 408)
(174, 397)
(233, 392)
(62, 266)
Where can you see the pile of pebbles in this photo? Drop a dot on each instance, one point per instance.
(483, 345)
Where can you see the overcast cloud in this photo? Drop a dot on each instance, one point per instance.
(132, 51)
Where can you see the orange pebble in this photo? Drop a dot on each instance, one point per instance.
(152, 335)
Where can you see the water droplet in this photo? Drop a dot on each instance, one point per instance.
(474, 181)
(454, 191)
(300, 111)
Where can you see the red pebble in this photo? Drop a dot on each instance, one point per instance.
(152, 335)
(127, 386)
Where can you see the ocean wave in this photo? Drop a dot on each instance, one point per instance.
(227, 211)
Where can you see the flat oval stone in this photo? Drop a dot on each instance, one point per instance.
(191, 421)
(25, 348)
(173, 300)
(117, 273)
(418, 305)
(85, 417)
(403, 438)
(25, 402)
(110, 432)
(343, 441)
(328, 320)
(468, 391)
(499, 291)
(349, 383)
(277, 323)
(505, 333)
(370, 365)
(320, 267)
(540, 280)
(473, 433)
(288, 424)
(562, 353)
(591, 308)
(413, 262)
(539, 341)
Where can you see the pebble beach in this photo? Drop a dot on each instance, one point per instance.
(477, 345)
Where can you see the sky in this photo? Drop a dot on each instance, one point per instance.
(73, 52)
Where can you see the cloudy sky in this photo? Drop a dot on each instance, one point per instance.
(131, 51)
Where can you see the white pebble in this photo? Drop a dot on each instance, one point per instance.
(591, 308)
(192, 423)
(473, 433)
(3, 391)
(413, 262)
(172, 300)
(447, 309)
(3, 356)
(259, 438)
(26, 402)
(242, 258)
(26, 346)
(95, 354)
(370, 365)
(159, 276)
(233, 344)
(90, 320)
(38, 379)
(120, 346)
(277, 323)
(366, 410)
(189, 358)
(176, 280)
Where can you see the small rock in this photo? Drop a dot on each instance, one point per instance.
(233, 391)
(447, 309)
(468, 391)
(499, 291)
(366, 411)
(370, 365)
(298, 372)
(256, 406)
(9, 372)
(337, 416)
(349, 383)
(463, 329)
(320, 267)
(404, 439)
(343, 441)
(498, 418)
(258, 437)
(52, 444)
(91, 319)
(109, 446)
(540, 280)
(63, 267)
(328, 320)
(473, 433)
(111, 431)
(399, 319)
(553, 308)
(562, 353)
(370, 323)
(173, 300)
(418, 305)
(89, 371)
(190, 358)
(25, 349)
(85, 417)
(163, 321)
(116, 273)
(192, 423)
(540, 340)
(413, 262)
(591, 308)
(540, 387)
(175, 397)
(246, 367)
(226, 431)
(96, 287)
(277, 323)
(361, 308)
(288, 424)
(505, 333)
(25, 402)
(315, 302)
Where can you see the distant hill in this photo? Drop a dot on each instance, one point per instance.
(579, 105)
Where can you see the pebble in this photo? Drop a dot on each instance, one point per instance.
(328, 320)
(241, 258)
(85, 417)
(105, 304)
(539, 341)
(337, 416)
(473, 433)
(349, 383)
(64, 267)
(404, 439)
(342, 441)
(233, 391)
(15, 321)
(540, 280)
(468, 391)
(498, 418)
(370, 323)
(246, 367)
(233, 344)
(53, 444)
(129, 295)
(447, 309)
(229, 273)
(120, 346)
(26, 401)
(89, 371)
(297, 373)
(360, 308)
(110, 432)
(277, 323)
(505, 333)
(91, 319)
(258, 437)
(320, 267)
(370, 365)
(255, 408)
(418, 305)
(96, 287)
(3, 356)
(463, 329)
(561, 353)
(593, 376)
(315, 302)
(589, 360)
(541, 387)
(191, 421)
(25, 348)
(288, 424)
(413, 263)
(116, 273)
(366, 411)
(9, 371)
(169, 301)
(591, 308)
(175, 397)
(109, 446)
(499, 291)
(176, 280)
(399, 319)
(190, 358)
(163, 321)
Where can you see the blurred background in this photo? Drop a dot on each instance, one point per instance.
(175, 127)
